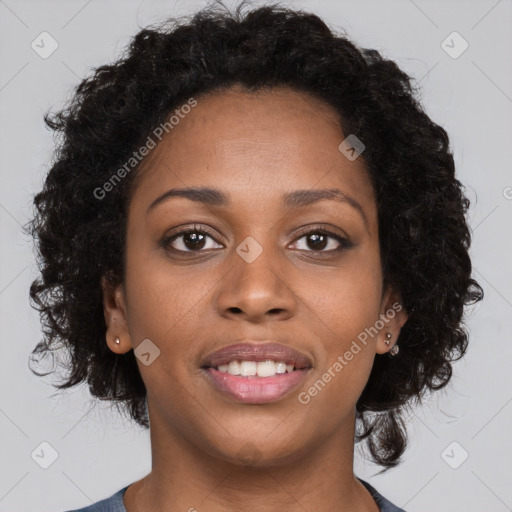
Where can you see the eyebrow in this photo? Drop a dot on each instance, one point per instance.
(295, 199)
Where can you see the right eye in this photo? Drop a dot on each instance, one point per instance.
(191, 239)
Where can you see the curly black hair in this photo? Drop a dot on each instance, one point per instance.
(423, 232)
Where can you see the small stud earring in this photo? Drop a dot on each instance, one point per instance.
(117, 341)
(388, 338)
(394, 350)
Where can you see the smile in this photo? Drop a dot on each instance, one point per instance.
(249, 369)
(256, 373)
(254, 389)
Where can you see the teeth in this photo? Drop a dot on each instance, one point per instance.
(266, 369)
(280, 368)
(261, 369)
(248, 368)
(233, 368)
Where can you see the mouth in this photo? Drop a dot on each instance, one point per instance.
(256, 373)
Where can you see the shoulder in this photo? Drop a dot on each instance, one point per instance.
(384, 504)
(112, 504)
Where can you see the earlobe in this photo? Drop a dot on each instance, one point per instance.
(114, 310)
(394, 316)
(117, 345)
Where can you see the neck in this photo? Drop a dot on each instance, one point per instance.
(184, 477)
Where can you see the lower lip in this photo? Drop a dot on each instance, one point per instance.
(256, 390)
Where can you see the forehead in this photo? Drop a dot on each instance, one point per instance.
(239, 123)
(255, 144)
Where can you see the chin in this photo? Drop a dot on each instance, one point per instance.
(263, 454)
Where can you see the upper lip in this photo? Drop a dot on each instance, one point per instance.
(248, 351)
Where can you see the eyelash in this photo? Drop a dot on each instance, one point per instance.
(344, 242)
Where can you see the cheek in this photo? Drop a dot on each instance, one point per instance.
(345, 354)
(345, 312)
(348, 301)
(348, 339)
(163, 300)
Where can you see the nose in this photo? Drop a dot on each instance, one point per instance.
(256, 291)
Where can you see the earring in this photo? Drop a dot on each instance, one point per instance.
(117, 341)
(394, 350)
(388, 338)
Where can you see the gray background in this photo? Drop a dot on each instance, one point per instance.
(470, 96)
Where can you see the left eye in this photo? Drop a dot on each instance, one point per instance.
(319, 240)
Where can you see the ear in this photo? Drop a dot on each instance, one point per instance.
(393, 315)
(114, 310)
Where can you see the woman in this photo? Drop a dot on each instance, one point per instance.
(252, 240)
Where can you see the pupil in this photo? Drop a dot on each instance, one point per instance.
(195, 239)
(318, 237)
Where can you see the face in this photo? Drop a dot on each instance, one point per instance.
(253, 268)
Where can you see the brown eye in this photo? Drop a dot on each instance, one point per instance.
(190, 240)
(317, 241)
(323, 241)
(194, 241)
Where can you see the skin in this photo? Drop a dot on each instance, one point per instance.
(255, 147)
